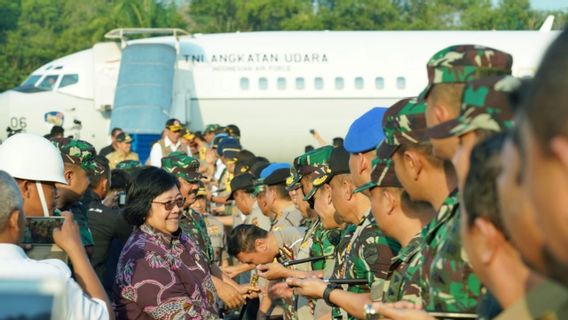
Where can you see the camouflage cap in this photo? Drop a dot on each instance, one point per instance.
(128, 165)
(123, 137)
(77, 152)
(307, 163)
(317, 161)
(485, 105)
(338, 164)
(382, 176)
(100, 165)
(182, 166)
(462, 63)
(404, 122)
(211, 128)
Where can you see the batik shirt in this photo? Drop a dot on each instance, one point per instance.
(449, 280)
(163, 277)
(193, 223)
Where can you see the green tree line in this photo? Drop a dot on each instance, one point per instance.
(34, 32)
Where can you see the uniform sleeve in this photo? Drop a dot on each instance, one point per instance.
(156, 155)
(80, 306)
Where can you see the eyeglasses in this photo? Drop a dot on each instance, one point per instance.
(169, 205)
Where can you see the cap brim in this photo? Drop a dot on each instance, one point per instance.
(229, 154)
(367, 186)
(311, 193)
(443, 130)
(385, 150)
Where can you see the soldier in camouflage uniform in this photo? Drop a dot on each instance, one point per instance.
(185, 169)
(78, 156)
(318, 240)
(448, 72)
(215, 228)
(398, 217)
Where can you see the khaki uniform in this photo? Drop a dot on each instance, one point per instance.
(289, 240)
(115, 157)
(257, 218)
(290, 217)
(548, 301)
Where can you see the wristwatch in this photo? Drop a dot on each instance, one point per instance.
(330, 287)
(370, 313)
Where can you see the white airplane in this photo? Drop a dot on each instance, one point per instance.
(275, 86)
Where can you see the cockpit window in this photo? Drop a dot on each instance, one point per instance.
(69, 79)
(30, 81)
(48, 82)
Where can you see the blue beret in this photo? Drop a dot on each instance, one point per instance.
(366, 132)
(273, 167)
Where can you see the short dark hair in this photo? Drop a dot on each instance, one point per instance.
(480, 191)
(148, 184)
(57, 130)
(337, 142)
(425, 148)
(115, 131)
(243, 237)
(308, 148)
(97, 176)
(545, 103)
(119, 179)
(281, 191)
(450, 93)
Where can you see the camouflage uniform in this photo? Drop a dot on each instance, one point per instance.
(402, 286)
(317, 240)
(452, 285)
(402, 279)
(80, 153)
(367, 256)
(191, 222)
(404, 122)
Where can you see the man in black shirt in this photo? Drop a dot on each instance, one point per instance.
(107, 225)
(111, 147)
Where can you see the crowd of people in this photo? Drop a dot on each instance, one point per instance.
(449, 205)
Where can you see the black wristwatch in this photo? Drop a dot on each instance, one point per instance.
(330, 287)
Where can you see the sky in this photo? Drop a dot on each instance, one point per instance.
(546, 4)
(550, 4)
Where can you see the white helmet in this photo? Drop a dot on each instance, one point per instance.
(31, 157)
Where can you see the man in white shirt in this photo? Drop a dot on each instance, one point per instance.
(90, 303)
(169, 143)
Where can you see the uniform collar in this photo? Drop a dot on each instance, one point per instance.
(169, 143)
(11, 251)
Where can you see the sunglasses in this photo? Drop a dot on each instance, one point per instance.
(169, 205)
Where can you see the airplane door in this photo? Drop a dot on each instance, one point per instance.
(144, 93)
